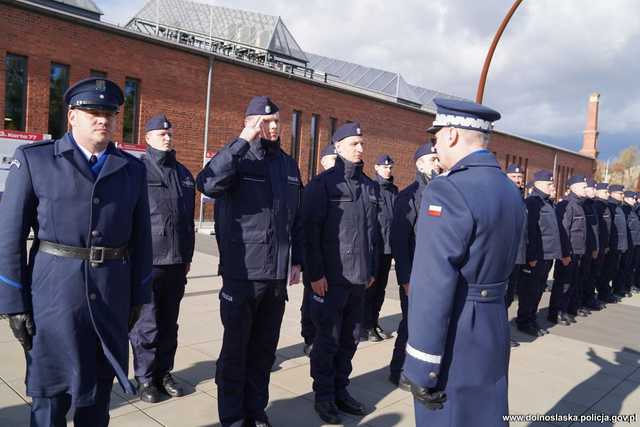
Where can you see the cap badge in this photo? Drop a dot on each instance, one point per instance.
(101, 96)
(166, 125)
(358, 131)
(267, 109)
(101, 85)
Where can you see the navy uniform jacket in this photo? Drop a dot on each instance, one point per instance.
(403, 227)
(633, 225)
(76, 308)
(388, 193)
(619, 235)
(603, 214)
(458, 329)
(543, 230)
(574, 224)
(593, 228)
(521, 257)
(341, 225)
(259, 216)
(172, 193)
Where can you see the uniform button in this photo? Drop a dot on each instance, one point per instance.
(433, 376)
(96, 200)
(95, 233)
(92, 296)
(484, 293)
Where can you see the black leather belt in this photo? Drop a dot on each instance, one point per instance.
(94, 254)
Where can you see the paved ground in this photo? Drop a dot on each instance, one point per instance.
(592, 367)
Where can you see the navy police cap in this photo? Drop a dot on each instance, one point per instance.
(384, 160)
(261, 106)
(543, 175)
(602, 186)
(631, 194)
(94, 93)
(329, 150)
(591, 183)
(463, 115)
(514, 168)
(159, 122)
(575, 179)
(425, 150)
(346, 130)
(615, 188)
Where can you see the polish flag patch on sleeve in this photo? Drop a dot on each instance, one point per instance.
(434, 210)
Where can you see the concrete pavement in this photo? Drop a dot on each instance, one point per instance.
(592, 367)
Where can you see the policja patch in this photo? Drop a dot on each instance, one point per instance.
(15, 162)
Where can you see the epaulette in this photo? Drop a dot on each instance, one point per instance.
(130, 156)
(38, 144)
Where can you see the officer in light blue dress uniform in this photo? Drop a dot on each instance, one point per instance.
(72, 301)
(458, 349)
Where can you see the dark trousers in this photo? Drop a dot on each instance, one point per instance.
(636, 268)
(337, 317)
(610, 269)
(512, 286)
(307, 329)
(587, 295)
(374, 295)
(154, 338)
(565, 284)
(251, 313)
(399, 348)
(51, 411)
(533, 281)
(599, 276)
(623, 277)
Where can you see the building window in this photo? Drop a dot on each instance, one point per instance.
(131, 111)
(313, 147)
(58, 85)
(506, 161)
(98, 73)
(295, 134)
(526, 169)
(333, 125)
(15, 94)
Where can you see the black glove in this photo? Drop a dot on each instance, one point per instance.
(430, 398)
(134, 315)
(23, 329)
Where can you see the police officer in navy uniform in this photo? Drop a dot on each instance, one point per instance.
(260, 249)
(516, 174)
(154, 338)
(341, 246)
(587, 300)
(458, 348)
(403, 243)
(628, 259)
(635, 284)
(72, 302)
(543, 246)
(605, 220)
(567, 284)
(619, 241)
(374, 296)
(308, 331)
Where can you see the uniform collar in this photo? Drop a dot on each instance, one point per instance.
(384, 182)
(539, 193)
(68, 143)
(422, 179)
(161, 157)
(481, 157)
(349, 169)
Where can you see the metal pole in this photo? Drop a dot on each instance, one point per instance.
(494, 44)
(206, 128)
(606, 171)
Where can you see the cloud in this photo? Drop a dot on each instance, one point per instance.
(552, 56)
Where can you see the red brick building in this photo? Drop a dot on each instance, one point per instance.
(46, 49)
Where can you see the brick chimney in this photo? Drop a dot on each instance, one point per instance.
(590, 139)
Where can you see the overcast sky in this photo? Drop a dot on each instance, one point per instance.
(553, 55)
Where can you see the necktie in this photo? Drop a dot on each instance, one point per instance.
(93, 160)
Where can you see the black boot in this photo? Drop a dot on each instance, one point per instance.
(373, 336)
(382, 333)
(149, 392)
(171, 387)
(328, 412)
(349, 405)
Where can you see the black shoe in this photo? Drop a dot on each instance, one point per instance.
(529, 330)
(307, 349)
(514, 343)
(373, 336)
(149, 393)
(553, 319)
(595, 306)
(382, 333)
(328, 412)
(260, 423)
(171, 387)
(572, 318)
(564, 319)
(543, 331)
(351, 406)
(583, 312)
(611, 299)
(629, 294)
(404, 383)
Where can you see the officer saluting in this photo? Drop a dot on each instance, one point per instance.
(374, 296)
(154, 339)
(72, 302)
(403, 244)
(308, 331)
(458, 349)
(260, 189)
(340, 226)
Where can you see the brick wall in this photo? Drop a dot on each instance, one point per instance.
(174, 81)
